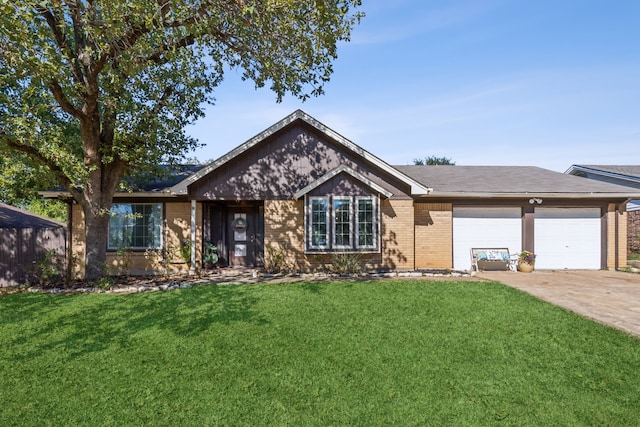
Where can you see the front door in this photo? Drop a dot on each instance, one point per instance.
(241, 232)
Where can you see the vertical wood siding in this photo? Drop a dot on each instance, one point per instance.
(22, 248)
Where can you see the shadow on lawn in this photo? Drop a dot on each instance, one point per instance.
(75, 326)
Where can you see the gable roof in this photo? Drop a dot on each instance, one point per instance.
(336, 171)
(630, 173)
(510, 181)
(12, 217)
(416, 188)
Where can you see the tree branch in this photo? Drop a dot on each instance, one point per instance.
(38, 156)
(158, 54)
(121, 44)
(64, 103)
(62, 42)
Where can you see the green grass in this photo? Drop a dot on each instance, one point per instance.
(633, 256)
(362, 353)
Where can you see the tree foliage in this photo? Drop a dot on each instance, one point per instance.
(433, 160)
(20, 179)
(93, 89)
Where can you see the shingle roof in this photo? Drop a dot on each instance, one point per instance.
(168, 176)
(12, 217)
(505, 180)
(146, 182)
(628, 170)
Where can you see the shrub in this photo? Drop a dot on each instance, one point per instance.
(123, 255)
(48, 268)
(185, 250)
(275, 260)
(346, 263)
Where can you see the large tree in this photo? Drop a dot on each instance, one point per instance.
(96, 88)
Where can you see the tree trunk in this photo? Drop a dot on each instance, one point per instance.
(96, 199)
(96, 236)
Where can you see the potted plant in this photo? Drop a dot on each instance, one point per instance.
(526, 261)
(209, 255)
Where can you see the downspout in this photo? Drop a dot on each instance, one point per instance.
(192, 270)
(617, 239)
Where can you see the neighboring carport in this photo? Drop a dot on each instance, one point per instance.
(609, 297)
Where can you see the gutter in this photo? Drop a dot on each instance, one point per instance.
(488, 195)
(61, 194)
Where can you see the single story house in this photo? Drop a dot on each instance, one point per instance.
(25, 239)
(625, 175)
(302, 187)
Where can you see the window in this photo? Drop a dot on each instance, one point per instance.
(318, 222)
(342, 223)
(136, 226)
(365, 212)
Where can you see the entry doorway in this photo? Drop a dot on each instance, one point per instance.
(236, 229)
(242, 237)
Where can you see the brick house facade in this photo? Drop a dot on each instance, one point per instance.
(303, 187)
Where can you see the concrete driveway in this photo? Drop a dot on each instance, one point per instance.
(609, 297)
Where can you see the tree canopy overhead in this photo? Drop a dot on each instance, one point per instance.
(96, 88)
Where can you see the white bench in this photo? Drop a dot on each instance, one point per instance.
(490, 259)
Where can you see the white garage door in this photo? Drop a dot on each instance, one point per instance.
(484, 228)
(568, 238)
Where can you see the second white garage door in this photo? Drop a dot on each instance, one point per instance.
(484, 228)
(568, 238)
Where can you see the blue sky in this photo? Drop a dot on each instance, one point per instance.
(495, 82)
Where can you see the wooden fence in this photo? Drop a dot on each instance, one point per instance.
(23, 250)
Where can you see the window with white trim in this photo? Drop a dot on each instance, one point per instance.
(342, 219)
(135, 226)
(342, 223)
(365, 211)
(318, 223)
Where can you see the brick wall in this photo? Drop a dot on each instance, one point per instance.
(177, 227)
(284, 228)
(284, 225)
(398, 238)
(434, 235)
(633, 231)
(616, 239)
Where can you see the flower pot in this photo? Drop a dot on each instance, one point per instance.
(525, 267)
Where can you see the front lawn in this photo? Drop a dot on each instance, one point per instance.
(354, 353)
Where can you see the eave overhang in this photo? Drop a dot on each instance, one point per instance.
(65, 195)
(622, 177)
(481, 195)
